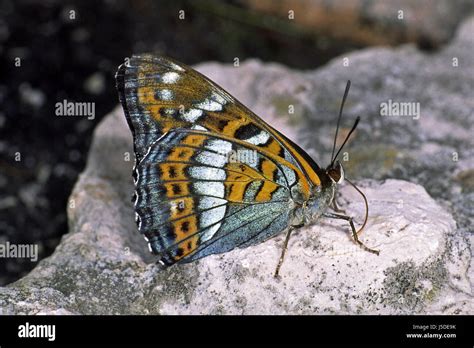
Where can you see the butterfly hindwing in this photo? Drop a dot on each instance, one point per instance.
(194, 198)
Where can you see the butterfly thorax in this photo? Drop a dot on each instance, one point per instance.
(320, 198)
(322, 195)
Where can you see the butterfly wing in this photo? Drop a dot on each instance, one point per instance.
(192, 200)
(159, 94)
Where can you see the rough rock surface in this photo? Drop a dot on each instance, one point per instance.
(374, 22)
(421, 223)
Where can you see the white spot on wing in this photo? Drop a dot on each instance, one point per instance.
(216, 189)
(209, 105)
(138, 220)
(165, 94)
(211, 158)
(170, 77)
(137, 179)
(176, 66)
(218, 98)
(260, 138)
(207, 173)
(220, 146)
(290, 175)
(198, 127)
(209, 202)
(211, 218)
(192, 115)
(210, 232)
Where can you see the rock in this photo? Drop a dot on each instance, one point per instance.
(326, 273)
(419, 195)
(372, 22)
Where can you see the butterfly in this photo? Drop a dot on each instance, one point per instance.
(210, 175)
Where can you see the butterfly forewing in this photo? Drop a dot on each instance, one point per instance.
(210, 175)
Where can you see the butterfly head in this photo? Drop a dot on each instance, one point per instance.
(335, 172)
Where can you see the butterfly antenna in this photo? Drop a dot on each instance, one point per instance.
(347, 138)
(366, 205)
(346, 92)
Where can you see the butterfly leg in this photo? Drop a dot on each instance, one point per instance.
(335, 206)
(283, 252)
(354, 232)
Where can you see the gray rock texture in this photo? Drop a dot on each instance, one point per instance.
(420, 192)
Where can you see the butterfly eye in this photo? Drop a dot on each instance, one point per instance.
(336, 173)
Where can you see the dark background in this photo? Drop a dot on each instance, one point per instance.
(76, 59)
